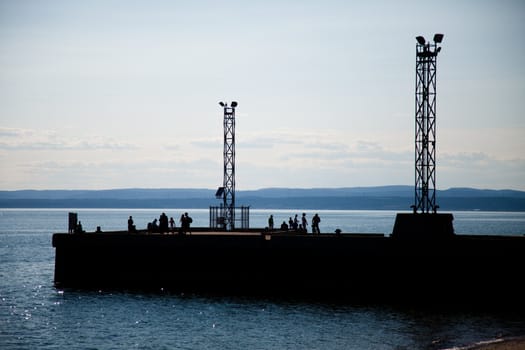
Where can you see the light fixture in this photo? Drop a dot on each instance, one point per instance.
(234, 104)
(222, 104)
(438, 38)
(420, 40)
(219, 193)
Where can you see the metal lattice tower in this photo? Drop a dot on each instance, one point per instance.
(228, 192)
(425, 147)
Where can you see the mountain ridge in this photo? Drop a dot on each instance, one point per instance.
(392, 197)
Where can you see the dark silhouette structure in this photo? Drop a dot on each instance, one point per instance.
(224, 216)
(229, 164)
(425, 222)
(72, 222)
(460, 270)
(425, 160)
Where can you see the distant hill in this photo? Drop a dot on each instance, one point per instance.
(366, 198)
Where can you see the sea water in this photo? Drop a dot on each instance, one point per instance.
(36, 315)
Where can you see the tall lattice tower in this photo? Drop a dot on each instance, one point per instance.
(425, 222)
(228, 190)
(425, 148)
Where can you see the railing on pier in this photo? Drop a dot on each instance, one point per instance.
(241, 217)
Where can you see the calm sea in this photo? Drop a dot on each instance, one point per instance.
(35, 315)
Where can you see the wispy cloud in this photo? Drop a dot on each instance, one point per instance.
(34, 140)
(295, 158)
(481, 170)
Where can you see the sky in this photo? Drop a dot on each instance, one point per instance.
(124, 94)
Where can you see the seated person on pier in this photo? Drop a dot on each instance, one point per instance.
(78, 228)
(153, 226)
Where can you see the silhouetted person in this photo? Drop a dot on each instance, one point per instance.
(163, 223)
(304, 222)
(189, 220)
(131, 226)
(315, 224)
(295, 223)
(182, 224)
(185, 222)
(78, 228)
(284, 226)
(270, 223)
(172, 224)
(154, 226)
(290, 223)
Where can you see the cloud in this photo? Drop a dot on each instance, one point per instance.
(92, 174)
(275, 140)
(213, 143)
(465, 159)
(31, 158)
(339, 152)
(39, 140)
(8, 133)
(480, 160)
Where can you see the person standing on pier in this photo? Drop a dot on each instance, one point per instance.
(182, 222)
(163, 223)
(270, 223)
(185, 222)
(295, 223)
(172, 225)
(131, 226)
(304, 223)
(315, 224)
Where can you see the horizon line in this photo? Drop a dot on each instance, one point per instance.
(256, 189)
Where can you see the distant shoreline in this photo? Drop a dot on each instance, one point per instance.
(398, 204)
(251, 208)
(398, 198)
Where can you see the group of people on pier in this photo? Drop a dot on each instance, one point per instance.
(164, 225)
(296, 225)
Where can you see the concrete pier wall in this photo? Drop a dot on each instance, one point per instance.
(356, 267)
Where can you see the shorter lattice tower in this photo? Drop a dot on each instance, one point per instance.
(228, 192)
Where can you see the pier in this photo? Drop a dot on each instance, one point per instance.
(355, 267)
